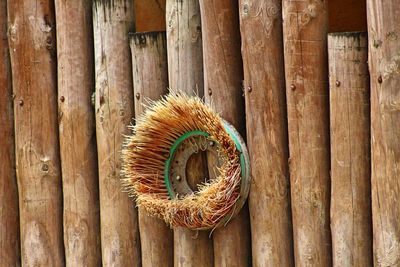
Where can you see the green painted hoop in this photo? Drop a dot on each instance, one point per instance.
(182, 138)
(172, 151)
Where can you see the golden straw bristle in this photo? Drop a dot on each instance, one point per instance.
(146, 150)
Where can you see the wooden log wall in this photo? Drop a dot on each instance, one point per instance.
(150, 82)
(77, 133)
(350, 150)
(185, 72)
(114, 109)
(306, 69)
(324, 186)
(264, 82)
(32, 40)
(384, 58)
(223, 74)
(9, 221)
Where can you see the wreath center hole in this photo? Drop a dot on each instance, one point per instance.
(196, 170)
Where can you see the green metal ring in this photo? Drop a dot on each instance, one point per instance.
(172, 154)
(187, 135)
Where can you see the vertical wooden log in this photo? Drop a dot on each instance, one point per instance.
(77, 133)
(223, 74)
(113, 20)
(185, 51)
(304, 30)
(9, 223)
(264, 84)
(185, 72)
(150, 82)
(384, 63)
(32, 45)
(350, 150)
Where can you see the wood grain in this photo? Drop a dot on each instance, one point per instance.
(150, 82)
(264, 87)
(185, 72)
(351, 223)
(384, 58)
(185, 51)
(112, 20)
(9, 217)
(305, 25)
(223, 74)
(77, 133)
(33, 62)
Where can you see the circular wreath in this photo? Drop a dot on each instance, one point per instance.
(171, 127)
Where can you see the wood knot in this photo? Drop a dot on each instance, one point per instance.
(45, 167)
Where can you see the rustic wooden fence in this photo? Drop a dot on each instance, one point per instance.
(320, 112)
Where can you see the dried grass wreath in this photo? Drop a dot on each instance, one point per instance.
(154, 160)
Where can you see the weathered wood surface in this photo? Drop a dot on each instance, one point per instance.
(185, 72)
(185, 51)
(149, 15)
(33, 62)
(384, 58)
(9, 223)
(351, 223)
(264, 87)
(150, 82)
(120, 243)
(223, 76)
(77, 133)
(304, 28)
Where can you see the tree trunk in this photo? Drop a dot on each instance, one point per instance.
(350, 150)
(264, 85)
(150, 82)
(77, 133)
(384, 58)
(120, 243)
(33, 62)
(304, 31)
(223, 75)
(185, 72)
(9, 222)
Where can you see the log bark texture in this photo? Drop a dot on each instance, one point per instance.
(33, 62)
(185, 72)
(9, 221)
(384, 60)
(120, 243)
(77, 133)
(150, 82)
(223, 74)
(264, 87)
(351, 223)
(185, 51)
(304, 29)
